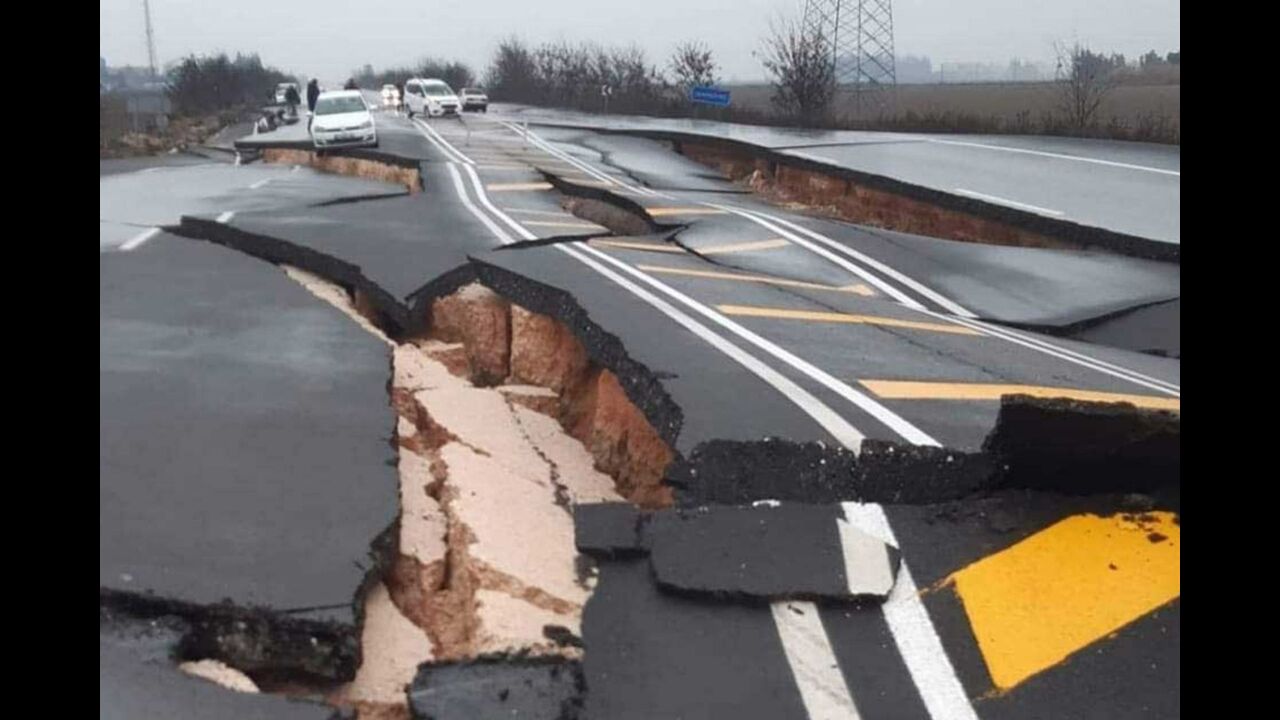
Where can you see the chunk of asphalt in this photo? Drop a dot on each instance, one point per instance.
(243, 435)
(498, 686)
(733, 472)
(138, 677)
(608, 529)
(893, 472)
(1070, 446)
(784, 551)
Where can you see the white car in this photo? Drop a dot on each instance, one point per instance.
(475, 99)
(390, 96)
(342, 119)
(430, 97)
(282, 90)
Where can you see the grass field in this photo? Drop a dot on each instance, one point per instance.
(1135, 110)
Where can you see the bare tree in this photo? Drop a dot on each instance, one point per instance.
(803, 75)
(1084, 80)
(513, 73)
(691, 65)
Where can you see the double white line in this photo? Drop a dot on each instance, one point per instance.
(860, 265)
(584, 167)
(818, 677)
(831, 250)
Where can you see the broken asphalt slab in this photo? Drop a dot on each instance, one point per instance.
(652, 653)
(609, 529)
(718, 397)
(1057, 445)
(163, 195)
(499, 686)
(736, 472)
(138, 677)
(1077, 447)
(1019, 285)
(243, 435)
(766, 551)
(783, 551)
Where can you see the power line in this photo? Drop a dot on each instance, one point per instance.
(860, 35)
(151, 40)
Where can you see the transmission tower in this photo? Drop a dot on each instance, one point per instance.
(151, 39)
(860, 36)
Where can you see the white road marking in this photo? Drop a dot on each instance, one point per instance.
(1059, 156)
(961, 316)
(443, 144)
(226, 216)
(813, 662)
(548, 147)
(451, 153)
(909, 621)
(137, 240)
(1007, 202)
(466, 201)
(944, 302)
(867, 570)
(831, 421)
(918, 642)
(260, 183)
(1062, 353)
(1014, 335)
(831, 257)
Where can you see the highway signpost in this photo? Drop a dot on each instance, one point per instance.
(707, 95)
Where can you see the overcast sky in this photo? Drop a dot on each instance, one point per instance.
(329, 38)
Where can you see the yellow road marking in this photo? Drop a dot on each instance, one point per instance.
(836, 317)
(516, 187)
(743, 247)
(576, 226)
(1037, 602)
(663, 211)
(552, 213)
(651, 247)
(713, 275)
(913, 390)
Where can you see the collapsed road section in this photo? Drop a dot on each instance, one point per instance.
(535, 495)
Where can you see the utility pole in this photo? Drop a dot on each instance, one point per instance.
(151, 39)
(860, 34)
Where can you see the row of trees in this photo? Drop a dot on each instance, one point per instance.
(209, 84)
(457, 74)
(588, 75)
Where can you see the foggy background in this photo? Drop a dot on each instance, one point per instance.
(330, 38)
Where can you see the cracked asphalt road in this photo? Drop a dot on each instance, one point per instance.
(757, 322)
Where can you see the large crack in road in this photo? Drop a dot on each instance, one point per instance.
(512, 408)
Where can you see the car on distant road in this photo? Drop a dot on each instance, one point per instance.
(475, 99)
(342, 119)
(390, 96)
(283, 88)
(430, 97)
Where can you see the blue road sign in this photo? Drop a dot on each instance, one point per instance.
(709, 96)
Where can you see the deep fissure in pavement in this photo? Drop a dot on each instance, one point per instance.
(883, 202)
(497, 406)
(510, 400)
(386, 168)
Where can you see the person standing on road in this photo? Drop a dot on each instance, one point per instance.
(313, 94)
(292, 100)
